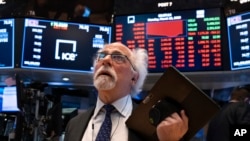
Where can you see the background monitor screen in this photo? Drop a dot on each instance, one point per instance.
(60, 45)
(190, 40)
(8, 99)
(7, 43)
(238, 27)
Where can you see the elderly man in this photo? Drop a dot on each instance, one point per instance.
(119, 73)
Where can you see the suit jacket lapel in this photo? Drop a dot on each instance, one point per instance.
(82, 123)
(77, 126)
(85, 120)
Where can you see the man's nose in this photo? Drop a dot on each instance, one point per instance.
(107, 60)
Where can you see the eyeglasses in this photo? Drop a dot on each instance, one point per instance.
(118, 58)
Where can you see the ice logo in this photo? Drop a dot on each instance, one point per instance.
(68, 56)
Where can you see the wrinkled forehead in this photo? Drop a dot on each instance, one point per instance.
(117, 47)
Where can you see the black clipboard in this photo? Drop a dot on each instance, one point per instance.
(173, 84)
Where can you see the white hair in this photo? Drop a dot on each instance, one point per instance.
(140, 61)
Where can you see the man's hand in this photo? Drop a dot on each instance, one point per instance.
(173, 128)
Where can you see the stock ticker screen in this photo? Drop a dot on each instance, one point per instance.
(60, 45)
(190, 40)
(238, 27)
(7, 29)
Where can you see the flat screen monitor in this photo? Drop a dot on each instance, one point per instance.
(8, 99)
(7, 43)
(238, 28)
(62, 45)
(190, 40)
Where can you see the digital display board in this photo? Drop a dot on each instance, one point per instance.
(190, 40)
(60, 45)
(7, 43)
(238, 28)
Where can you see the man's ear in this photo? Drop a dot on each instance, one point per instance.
(135, 77)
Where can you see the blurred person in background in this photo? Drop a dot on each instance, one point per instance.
(81, 13)
(41, 8)
(235, 112)
(54, 119)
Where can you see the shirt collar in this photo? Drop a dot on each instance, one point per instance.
(122, 105)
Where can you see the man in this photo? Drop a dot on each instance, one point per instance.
(234, 113)
(118, 74)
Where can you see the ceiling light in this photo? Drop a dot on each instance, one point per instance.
(65, 79)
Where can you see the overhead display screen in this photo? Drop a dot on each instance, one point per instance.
(238, 27)
(189, 40)
(7, 43)
(59, 45)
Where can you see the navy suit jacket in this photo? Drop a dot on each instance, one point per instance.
(77, 126)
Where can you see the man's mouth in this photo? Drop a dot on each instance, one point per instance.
(106, 73)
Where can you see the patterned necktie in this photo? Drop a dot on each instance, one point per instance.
(105, 130)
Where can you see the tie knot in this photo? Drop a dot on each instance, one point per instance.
(109, 108)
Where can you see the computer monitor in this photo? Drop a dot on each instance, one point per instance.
(7, 28)
(238, 28)
(62, 45)
(8, 99)
(190, 40)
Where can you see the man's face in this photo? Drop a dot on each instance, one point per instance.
(111, 74)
